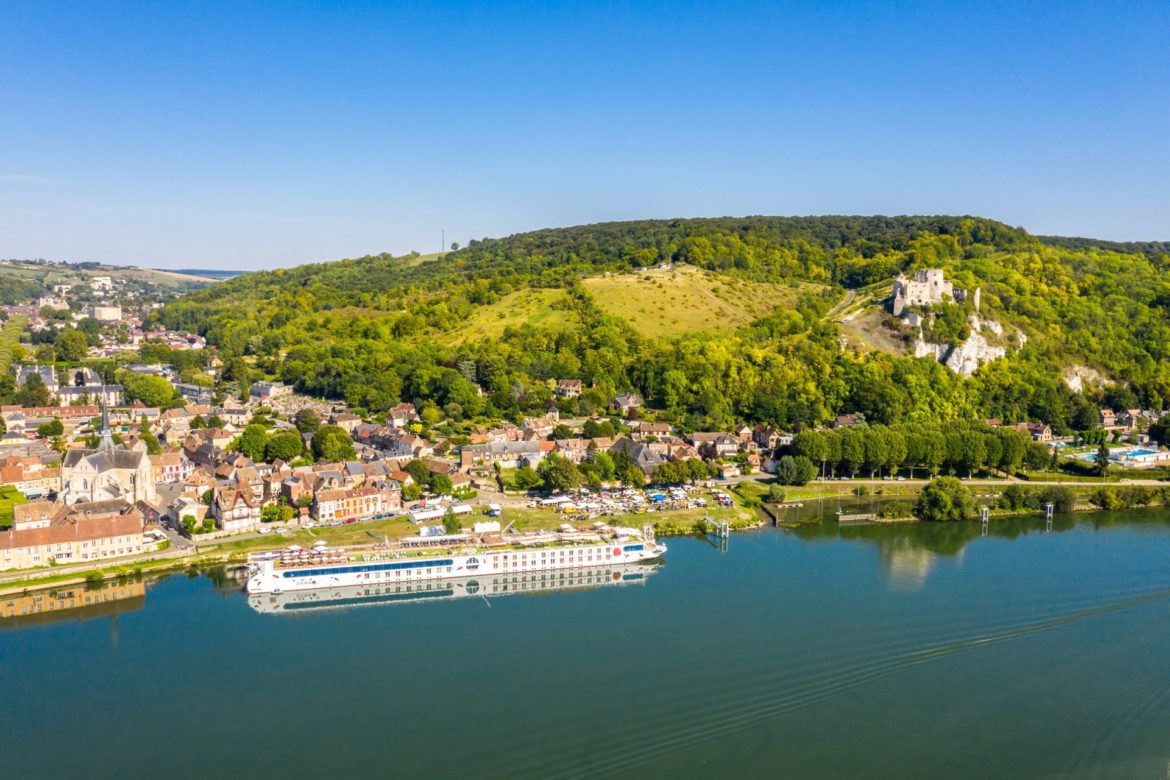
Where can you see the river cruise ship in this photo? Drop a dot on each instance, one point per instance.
(421, 559)
(485, 587)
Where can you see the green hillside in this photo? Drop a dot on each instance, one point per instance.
(712, 320)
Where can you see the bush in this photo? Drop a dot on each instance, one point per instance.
(945, 500)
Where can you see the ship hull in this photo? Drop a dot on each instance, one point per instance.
(266, 577)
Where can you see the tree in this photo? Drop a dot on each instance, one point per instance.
(285, 446)
(71, 344)
(418, 472)
(270, 514)
(153, 447)
(50, 429)
(527, 479)
(151, 390)
(603, 463)
(632, 476)
(307, 421)
(1101, 465)
(252, 442)
(331, 443)
(797, 470)
(598, 430)
(943, 500)
(559, 474)
(562, 431)
(441, 484)
(34, 392)
(451, 522)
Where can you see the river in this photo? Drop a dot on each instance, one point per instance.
(865, 651)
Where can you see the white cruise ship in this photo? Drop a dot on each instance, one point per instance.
(487, 587)
(422, 559)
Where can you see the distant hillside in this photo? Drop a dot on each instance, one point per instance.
(208, 273)
(1150, 248)
(737, 318)
(39, 276)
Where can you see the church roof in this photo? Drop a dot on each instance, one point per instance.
(103, 460)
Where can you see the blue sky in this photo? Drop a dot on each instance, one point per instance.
(253, 135)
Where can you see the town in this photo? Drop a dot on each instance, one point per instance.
(126, 439)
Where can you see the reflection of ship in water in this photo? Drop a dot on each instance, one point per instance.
(441, 590)
(74, 602)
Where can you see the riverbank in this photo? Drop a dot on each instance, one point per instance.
(748, 511)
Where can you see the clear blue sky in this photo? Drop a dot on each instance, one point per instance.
(252, 135)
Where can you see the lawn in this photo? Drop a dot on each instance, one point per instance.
(667, 302)
(369, 532)
(9, 497)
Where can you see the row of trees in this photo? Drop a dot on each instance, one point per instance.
(958, 448)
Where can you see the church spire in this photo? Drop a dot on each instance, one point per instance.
(107, 442)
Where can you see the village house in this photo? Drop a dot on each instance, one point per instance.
(74, 395)
(642, 455)
(768, 438)
(847, 421)
(30, 475)
(347, 421)
(508, 454)
(727, 470)
(234, 510)
(673, 448)
(626, 404)
(269, 391)
(44, 533)
(1107, 419)
(402, 415)
(1038, 431)
(171, 466)
(361, 502)
(651, 430)
(185, 506)
(575, 450)
(568, 388)
(715, 445)
(47, 375)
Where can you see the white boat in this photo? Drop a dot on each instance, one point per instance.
(491, 586)
(426, 559)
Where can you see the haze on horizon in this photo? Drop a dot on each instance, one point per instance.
(219, 135)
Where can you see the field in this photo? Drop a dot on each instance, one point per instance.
(529, 306)
(667, 302)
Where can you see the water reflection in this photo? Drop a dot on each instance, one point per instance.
(905, 566)
(486, 586)
(909, 552)
(74, 602)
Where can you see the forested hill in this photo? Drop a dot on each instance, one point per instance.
(738, 323)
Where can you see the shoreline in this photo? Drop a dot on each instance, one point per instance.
(138, 569)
